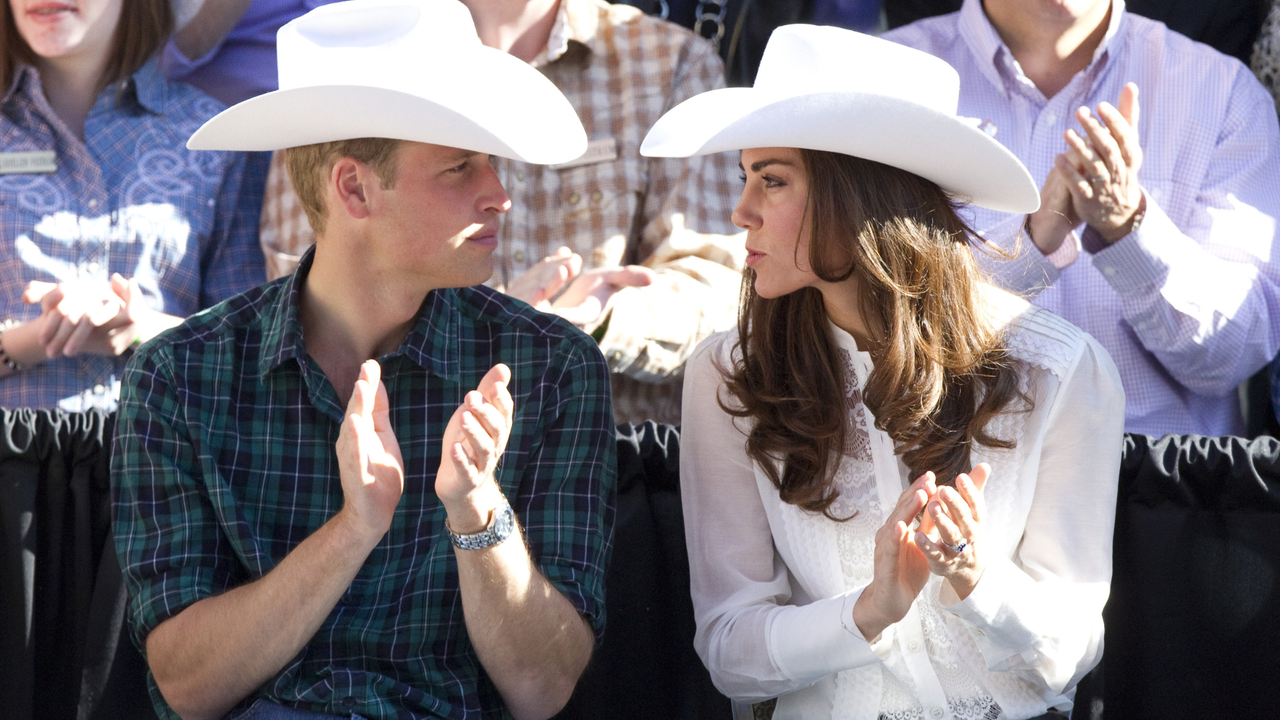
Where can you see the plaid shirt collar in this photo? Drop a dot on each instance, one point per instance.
(577, 22)
(145, 89)
(432, 344)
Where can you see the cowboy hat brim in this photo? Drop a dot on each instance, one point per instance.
(497, 105)
(963, 160)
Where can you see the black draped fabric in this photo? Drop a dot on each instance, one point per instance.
(645, 667)
(1193, 623)
(63, 651)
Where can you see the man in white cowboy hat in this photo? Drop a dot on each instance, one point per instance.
(306, 530)
(1158, 227)
(651, 262)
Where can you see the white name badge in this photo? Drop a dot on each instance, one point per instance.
(25, 163)
(598, 151)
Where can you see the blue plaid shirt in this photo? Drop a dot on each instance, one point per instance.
(224, 462)
(129, 198)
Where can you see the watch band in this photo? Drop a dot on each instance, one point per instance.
(501, 526)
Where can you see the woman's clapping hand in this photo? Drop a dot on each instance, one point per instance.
(947, 544)
(950, 534)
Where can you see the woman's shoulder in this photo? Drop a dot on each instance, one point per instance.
(716, 349)
(1033, 334)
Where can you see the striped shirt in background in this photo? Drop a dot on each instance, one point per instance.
(621, 70)
(224, 461)
(1188, 305)
(129, 198)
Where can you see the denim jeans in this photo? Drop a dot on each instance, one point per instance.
(267, 710)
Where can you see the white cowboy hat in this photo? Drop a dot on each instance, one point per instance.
(824, 88)
(405, 70)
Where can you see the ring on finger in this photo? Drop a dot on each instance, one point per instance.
(960, 546)
(1095, 180)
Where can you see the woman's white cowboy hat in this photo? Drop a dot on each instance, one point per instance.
(824, 88)
(405, 70)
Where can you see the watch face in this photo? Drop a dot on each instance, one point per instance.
(506, 522)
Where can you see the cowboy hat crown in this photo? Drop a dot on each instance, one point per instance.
(826, 88)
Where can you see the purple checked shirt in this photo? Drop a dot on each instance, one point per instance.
(1188, 305)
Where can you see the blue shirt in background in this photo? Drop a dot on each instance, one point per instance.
(129, 198)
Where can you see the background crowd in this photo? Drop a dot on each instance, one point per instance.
(1151, 135)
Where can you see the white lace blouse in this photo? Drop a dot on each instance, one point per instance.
(774, 586)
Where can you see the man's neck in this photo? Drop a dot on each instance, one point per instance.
(1050, 43)
(351, 313)
(519, 27)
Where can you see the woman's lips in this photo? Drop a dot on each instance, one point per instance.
(50, 12)
(753, 257)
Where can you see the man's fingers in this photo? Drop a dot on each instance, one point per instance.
(630, 276)
(1128, 104)
(1124, 134)
(1102, 141)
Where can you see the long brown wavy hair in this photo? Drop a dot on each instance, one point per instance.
(941, 373)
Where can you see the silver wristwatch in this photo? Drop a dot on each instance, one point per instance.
(501, 526)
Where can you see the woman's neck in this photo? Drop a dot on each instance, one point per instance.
(841, 301)
(71, 85)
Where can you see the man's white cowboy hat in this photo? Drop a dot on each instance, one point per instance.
(824, 88)
(400, 69)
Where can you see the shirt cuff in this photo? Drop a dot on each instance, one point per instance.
(1139, 262)
(818, 639)
(1066, 253)
(999, 624)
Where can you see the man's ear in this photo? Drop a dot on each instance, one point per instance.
(349, 179)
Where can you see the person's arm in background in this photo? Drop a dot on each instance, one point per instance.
(688, 261)
(203, 34)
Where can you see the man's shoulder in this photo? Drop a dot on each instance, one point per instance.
(931, 34)
(517, 322)
(228, 321)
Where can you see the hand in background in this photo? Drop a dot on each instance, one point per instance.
(81, 317)
(1102, 170)
(541, 282)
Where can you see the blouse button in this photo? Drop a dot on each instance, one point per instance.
(518, 256)
(936, 712)
(597, 196)
(574, 199)
(99, 389)
(93, 203)
(914, 646)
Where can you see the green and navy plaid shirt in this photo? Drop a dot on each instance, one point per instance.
(224, 462)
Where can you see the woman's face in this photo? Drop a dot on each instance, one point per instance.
(772, 211)
(57, 29)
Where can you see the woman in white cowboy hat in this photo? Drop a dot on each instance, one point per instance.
(876, 381)
(110, 229)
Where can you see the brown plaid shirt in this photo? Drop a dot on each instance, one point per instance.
(621, 70)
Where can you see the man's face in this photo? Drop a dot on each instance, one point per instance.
(440, 219)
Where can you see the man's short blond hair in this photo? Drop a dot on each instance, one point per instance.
(309, 167)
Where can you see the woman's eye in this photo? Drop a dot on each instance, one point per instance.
(770, 181)
(742, 178)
